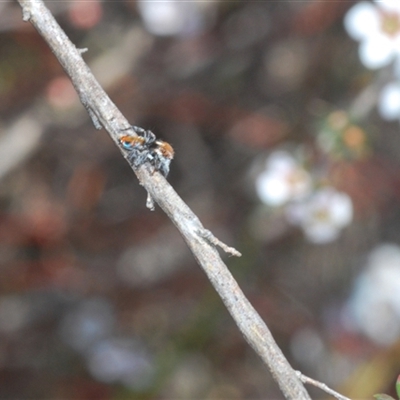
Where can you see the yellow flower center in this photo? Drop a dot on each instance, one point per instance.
(390, 23)
(322, 215)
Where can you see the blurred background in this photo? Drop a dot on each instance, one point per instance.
(285, 121)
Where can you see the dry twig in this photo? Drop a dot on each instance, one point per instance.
(202, 243)
(320, 385)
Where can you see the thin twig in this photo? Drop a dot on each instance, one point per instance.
(320, 385)
(208, 235)
(104, 113)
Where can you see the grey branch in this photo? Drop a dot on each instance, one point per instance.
(320, 385)
(104, 113)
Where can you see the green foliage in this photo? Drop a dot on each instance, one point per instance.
(382, 396)
(398, 386)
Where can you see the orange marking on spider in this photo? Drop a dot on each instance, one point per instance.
(146, 148)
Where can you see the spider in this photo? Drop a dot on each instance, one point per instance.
(147, 148)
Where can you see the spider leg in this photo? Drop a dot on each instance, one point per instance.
(149, 136)
(137, 157)
(140, 131)
(161, 164)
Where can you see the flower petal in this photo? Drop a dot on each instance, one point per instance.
(389, 5)
(362, 21)
(389, 101)
(272, 189)
(341, 209)
(376, 52)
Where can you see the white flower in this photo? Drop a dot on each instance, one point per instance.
(282, 180)
(389, 101)
(377, 27)
(121, 360)
(323, 215)
(374, 305)
(172, 17)
(91, 321)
